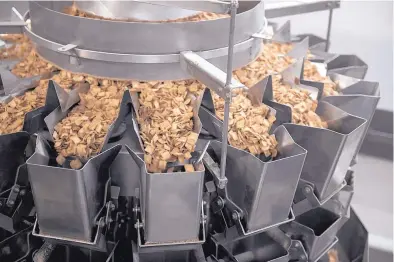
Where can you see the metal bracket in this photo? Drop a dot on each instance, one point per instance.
(297, 251)
(243, 232)
(15, 190)
(70, 49)
(214, 169)
(209, 75)
(311, 200)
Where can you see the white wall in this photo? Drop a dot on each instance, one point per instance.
(363, 28)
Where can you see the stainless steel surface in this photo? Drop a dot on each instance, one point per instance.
(139, 67)
(13, 85)
(67, 200)
(285, 8)
(211, 76)
(358, 97)
(215, 6)
(141, 10)
(349, 65)
(317, 228)
(305, 198)
(253, 184)
(227, 88)
(170, 201)
(163, 38)
(14, 25)
(352, 242)
(331, 150)
(260, 247)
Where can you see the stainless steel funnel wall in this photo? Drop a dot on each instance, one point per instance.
(330, 151)
(357, 97)
(264, 190)
(68, 200)
(318, 234)
(170, 203)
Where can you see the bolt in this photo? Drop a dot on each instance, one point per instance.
(307, 190)
(297, 244)
(101, 223)
(204, 202)
(235, 216)
(23, 192)
(303, 257)
(6, 250)
(11, 202)
(16, 190)
(138, 225)
(136, 209)
(219, 202)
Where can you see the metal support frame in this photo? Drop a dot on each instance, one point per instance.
(329, 26)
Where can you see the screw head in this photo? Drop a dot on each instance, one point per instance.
(297, 244)
(11, 202)
(219, 202)
(23, 192)
(16, 190)
(235, 216)
(307, 190)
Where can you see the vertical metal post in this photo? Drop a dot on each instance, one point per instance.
(234, 6)
(329, 27)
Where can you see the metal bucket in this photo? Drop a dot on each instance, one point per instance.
(67, 201)
(317, 230)
(348, 65)
(264, 190)
(358, 97)
(339, 202)
(270, 246)
(330, 151)
(315, 42)
(171, 203)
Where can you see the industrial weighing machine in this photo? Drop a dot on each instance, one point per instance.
(232, 206)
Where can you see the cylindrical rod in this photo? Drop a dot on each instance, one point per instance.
(234, 5)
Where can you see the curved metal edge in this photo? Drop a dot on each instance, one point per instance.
(249, 233)
(155, 38)
(138, 71)
(134, 58)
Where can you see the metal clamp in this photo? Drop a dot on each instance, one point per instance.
(311, 200)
